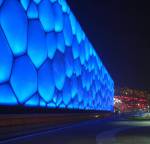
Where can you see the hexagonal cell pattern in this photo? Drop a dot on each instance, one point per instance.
(32, 12)
(46, 84)
(23, 78)
(37, 50)
(13, 21)
(47, 61)
(7, 96)
(6, 58)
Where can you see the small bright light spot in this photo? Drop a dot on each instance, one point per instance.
(97, 116)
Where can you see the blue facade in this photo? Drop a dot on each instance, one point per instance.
(47, 61)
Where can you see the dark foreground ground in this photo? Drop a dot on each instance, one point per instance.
(114, 130)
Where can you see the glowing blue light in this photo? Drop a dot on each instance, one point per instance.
(47, 61)
(7, 97)
(25, 3)
(69, 62)
(6, 58)
(59, 70)
(58, 15)
(75, 48)
(32, 11)
(14, 24)
(51, 42)
(24, 78)
(46, 15)
(68, 36)
(46, 84)
(33, 101)
(37, 1)
(73, 22)
(37, 50)
(60, 42)
(67, 91)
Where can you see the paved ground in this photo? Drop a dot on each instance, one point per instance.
(107, 131)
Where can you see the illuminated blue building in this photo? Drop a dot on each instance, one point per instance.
(47, 61)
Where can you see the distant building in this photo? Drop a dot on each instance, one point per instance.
(128, 100)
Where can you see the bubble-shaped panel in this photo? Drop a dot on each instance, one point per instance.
(32, 12)
(46, 15)
(37, 1)
(24, 78)
(7, 96)
(60, 42)
(51, 42)
(6, 58)
(75, 48)
(14, 24)
(58, 15)
(46, 84)
(67, 91)
(74, 83)
(73, 22)
(25, 3)
(69, 62)
(37, 50)
(33, 101)
(47, 61)
(59, 70)
(68, 36)
(77, 67)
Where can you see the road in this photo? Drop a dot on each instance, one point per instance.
(87, 132)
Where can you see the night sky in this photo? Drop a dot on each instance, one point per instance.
(120, 33)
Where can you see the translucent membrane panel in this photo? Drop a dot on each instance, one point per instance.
(24, 78)
(7, 97)
(58, 15)
(59, 70)
(46, 15)
(42, 103)
(75, 102)
(46, 83)
(75, 48)
(74, 84)
(14, 24)
(87, 49)
(32, 12)
(6, 58)
(51, 42)
(67, 92)
(37, 1)
(84, 79)
(77, 67)
(1, 1)
(73, 22)
(37, 50)
(59, 99)
(68, 36)
(64, 6)
(25, 3)
(82, 52)
(54, 63)
(69, 62)
(53, 1)
(51, 105)
(80, 90)
(60, 42)
(33, 101)
(79, 33)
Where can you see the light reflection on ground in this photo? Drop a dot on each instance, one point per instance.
(135, 132)
(133, 123)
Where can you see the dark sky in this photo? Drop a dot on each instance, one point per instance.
(120, 33)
